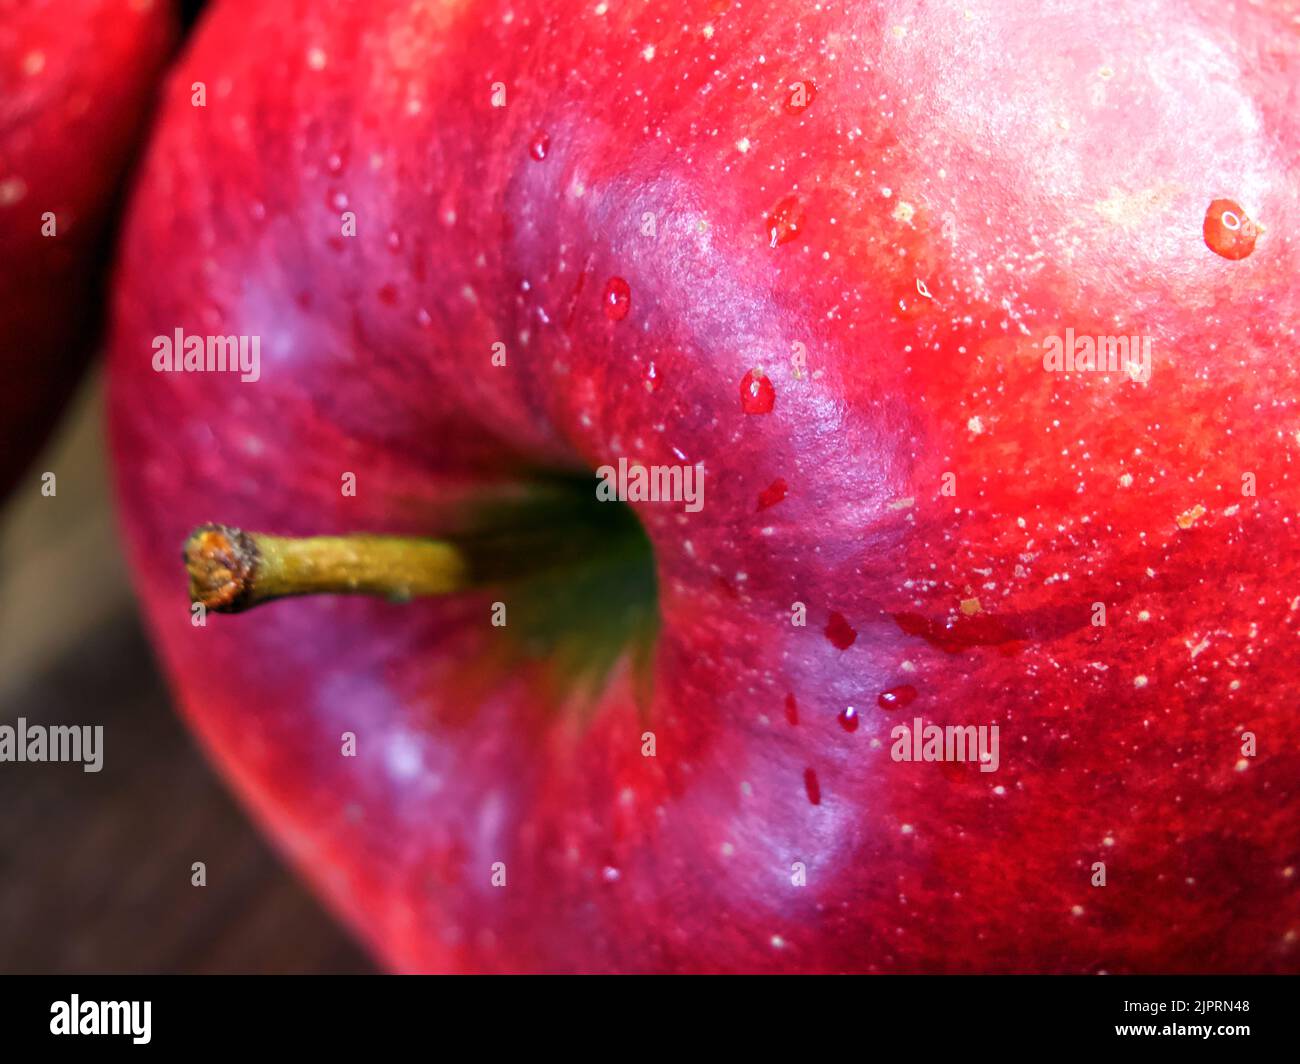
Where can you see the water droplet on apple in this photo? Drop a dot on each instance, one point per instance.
(785, 221)
(337, 199)
(897, 697)
(334, 163)
(957, 634)
(772, 494)
(610, 874)
(791, 709)
(394, 241)
(654, 378)
(617, 299)
(757, 395)
(841, 634)
(800, 97)
(1228, 231)
(812, 787)
(849, 719)
(539, 146)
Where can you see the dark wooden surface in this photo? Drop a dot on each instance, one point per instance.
(95, 867)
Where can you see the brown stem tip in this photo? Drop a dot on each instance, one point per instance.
(231, 571)
(222, 563)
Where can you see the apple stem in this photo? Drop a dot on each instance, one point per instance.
(232, 571)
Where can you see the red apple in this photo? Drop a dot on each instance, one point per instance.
(76, 83)
(824, 250)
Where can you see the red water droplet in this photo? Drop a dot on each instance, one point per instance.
(800, 97)
(617, 299)
(654, 378)
(394, 240)
(388, 295)
(785, 221)
(772, 494)
(337, 199)
(1228, 231)
(897, 697)
(540, 145)
(791, 709)
(757, 395)
(849, 719)
(957, 634)
(811, 785)
(841, 634)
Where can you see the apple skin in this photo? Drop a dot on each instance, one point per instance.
(1030, 186)
(76, 84)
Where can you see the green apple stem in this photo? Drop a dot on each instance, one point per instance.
(578, 573)
(231, 571)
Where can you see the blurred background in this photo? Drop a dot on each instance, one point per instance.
(95, 867)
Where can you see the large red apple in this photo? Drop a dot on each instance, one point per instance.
(826, 251)
(76, 83)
